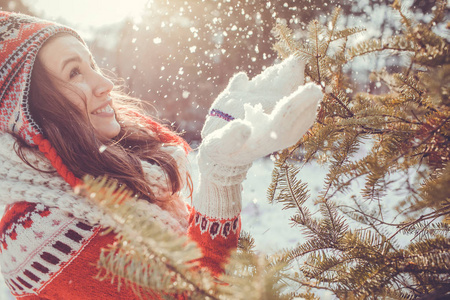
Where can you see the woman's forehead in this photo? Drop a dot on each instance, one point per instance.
(61, 48)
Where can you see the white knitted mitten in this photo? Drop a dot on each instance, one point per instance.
(251, 119)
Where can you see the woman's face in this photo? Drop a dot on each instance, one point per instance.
(67, 59)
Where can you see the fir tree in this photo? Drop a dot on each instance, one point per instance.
(357, 250)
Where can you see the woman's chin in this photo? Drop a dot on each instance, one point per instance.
(107, 132)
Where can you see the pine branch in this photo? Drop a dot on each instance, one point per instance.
(397, 43)
(438, 13)
(336, 98)
(145, 248)
(154, 261)
(409, 129)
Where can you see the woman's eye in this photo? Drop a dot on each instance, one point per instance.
(74, 72)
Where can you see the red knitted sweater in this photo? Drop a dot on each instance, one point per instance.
(50, 255)
(45, 253)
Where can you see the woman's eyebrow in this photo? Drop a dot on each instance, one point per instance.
(69, 60)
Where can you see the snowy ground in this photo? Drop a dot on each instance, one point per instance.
(267, 223)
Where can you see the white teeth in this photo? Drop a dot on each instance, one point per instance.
(106, 109)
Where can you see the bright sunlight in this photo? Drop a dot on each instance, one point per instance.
(88, 13)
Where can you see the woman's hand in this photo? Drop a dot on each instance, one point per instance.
(253, 118)
(266, 89)
(250, 119)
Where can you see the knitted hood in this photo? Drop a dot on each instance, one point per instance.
(21, 37)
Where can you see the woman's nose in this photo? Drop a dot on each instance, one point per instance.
(103, 85)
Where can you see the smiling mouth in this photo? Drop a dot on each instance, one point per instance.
(104, 110)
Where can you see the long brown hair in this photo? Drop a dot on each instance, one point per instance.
(76, 142)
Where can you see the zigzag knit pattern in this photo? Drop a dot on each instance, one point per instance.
(37, 243)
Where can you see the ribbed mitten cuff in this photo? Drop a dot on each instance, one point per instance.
(216, 201)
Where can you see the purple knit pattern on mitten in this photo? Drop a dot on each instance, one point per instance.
(221, 114)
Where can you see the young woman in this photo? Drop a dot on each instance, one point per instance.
(58, 110)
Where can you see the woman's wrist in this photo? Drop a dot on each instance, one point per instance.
(218, 201)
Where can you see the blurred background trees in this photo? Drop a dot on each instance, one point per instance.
(178, 55)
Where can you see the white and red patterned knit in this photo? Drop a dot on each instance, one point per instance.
(50, 238)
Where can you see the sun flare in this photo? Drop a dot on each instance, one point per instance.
(88, 13)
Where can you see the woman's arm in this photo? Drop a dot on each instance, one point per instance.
(250, 119)
(216, 237)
